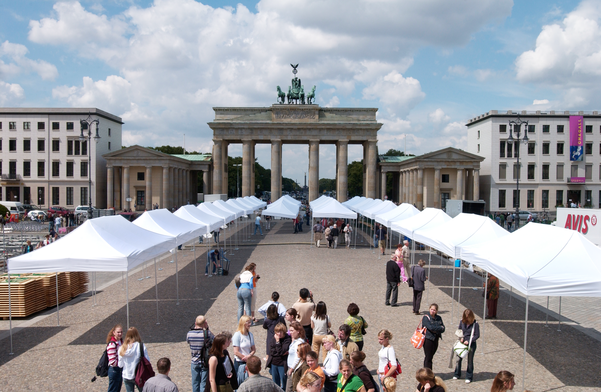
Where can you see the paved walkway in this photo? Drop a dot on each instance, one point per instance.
(48, 357)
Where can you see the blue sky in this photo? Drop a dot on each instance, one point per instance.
(427, 66)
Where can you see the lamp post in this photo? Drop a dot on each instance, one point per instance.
(515, 126)
(237, 166)
(87, 124)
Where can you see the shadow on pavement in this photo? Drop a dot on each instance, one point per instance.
(23, 342)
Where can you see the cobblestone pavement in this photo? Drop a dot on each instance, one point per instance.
(48, 357)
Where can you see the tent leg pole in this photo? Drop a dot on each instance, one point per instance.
(525, 341)
(312, 237)
(484, 311)
(510, 296)
(10, 316)
(453, 295)
(460, 276)
(559, 325)
(237, 235)
(195, 267)
(177, 276)
(428, 281)
(547, 314)
(58, 319)
(156, 288)
(127, 295)
(354, 234)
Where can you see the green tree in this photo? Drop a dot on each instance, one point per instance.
(327, 184)
(355, 178)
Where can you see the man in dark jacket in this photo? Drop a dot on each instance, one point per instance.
(393, 280)
(418, 273)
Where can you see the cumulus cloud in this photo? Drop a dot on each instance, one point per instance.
(396, 91)
(438, 116)
(540, 102)
(20, 64)
(10, 93)
(112, 94)
(480, 75)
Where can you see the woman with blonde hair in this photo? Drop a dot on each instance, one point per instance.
(389, 384)
(114, 340)
(428, 382)
(309, 382)
(244, 347)
(386, 355)
(504, 381)
(347, 381)
(278, 355)
(129, 357)
(331, 365)
(471, 332)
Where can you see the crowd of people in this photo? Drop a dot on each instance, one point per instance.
(333, 231)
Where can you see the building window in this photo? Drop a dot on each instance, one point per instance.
(26, 145)
(530, 198)
(531, 128)
(26, 169)
(545, 198)
(41, 125)
(502, 171)
(0, 130)
(56, 145)
(26, 125)
(12, 125)
(41, 145)
(559, 174)
(478, 134)
(84, 147)
(509, 150)
(109, 132)
(56, 168)
(12, 145)
(531, 171)
(69, 190)
(83, 169)
(560, 129)
(0, 144)
(478, 148)
(531, 148)
(12, 169)
(516, 171)
(502, 195)
(588, 197)
(502, 149)
(516, 198)
(56, 126)
(588, 148)
(41, 196)
(588, 172)
(588, 128)
(109, 146)
(41, 169)
(559, 148)
(574, 171)
(545, 171)
(70, 165)
(83, 195)
(77, 148)
(546, 148)
(56, 196)
(559, 198)
(546, 128)
(69, 147)
(445, 178)
(69, 126)
(141, 176)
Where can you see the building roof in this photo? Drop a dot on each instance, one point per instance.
(194, 157)
(394, 159)
(537, 113)
(63, 111)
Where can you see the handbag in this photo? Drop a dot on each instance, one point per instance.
(363, 331)
(460, 349)
(418, 337)
(143, 369)
(397, 371)
(227, 387)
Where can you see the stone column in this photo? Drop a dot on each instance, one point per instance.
(187, 186)
(420, 189)
(126, 194)
(476, 184)
(205, 182)
(246, 168)
(371, 168)
(383, 185)
(253, 186)
(460, 184)
(401, 187)
(217, 166)
(313, 169)
(437, 187)
(110, 195)
(171, 192)
(165, 202)
(148, 188)
(364, 169)
(342, 155)
(276, 169)
(224, 168)
(414, 187)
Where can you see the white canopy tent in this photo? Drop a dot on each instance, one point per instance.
(255, 200)
(364, 202)
(230, 208)
(353, 201)
(291, 199)
(331, 209)
(401, 212)
(364, 207)
(247, 203)
(319, 201)
(244, 207)
(541, 270)
(281, 209)
(218, 212)
(381, 208)
(194, 215)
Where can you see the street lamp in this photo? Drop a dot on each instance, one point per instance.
(237, 166)
(87, 124)
(515, 126)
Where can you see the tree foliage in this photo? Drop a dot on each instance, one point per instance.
(355, 179)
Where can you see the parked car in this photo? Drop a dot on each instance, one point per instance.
(37, 215)
(524, 215)
(61, 211)
(30, 207)
(82, 210)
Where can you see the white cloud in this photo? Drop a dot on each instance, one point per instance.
(332, 102)
(10, 93)
(458, 70)
(20, 64)
(483, 74)
(438, 116)
(396, 91)
(480, 75)
(540, 102)
(112, 94)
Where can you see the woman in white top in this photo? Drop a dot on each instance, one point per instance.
(244, 347)
(385, 355)
(331, 363)
(320, 323)
(129, 357)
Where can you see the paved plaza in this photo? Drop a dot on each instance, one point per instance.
(51, 357)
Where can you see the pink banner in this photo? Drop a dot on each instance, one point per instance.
(576, 138)
(577, 180)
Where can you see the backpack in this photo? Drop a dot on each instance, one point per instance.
(144, 369)
(206, 348)
(237, 281)
(102, 369)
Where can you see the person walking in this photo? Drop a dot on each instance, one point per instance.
(199, 338)
(245, 292)
(434, 329)
(328, 235)
(418, 273)
(278, 355)
(382, 235)
(348, 234)
(400, 262)
(114, 340)
(317, 233)
(244, 346)
(129, 356)
(255, 381)
(468, 324)
(386, 356)
(305, 306)
(221, 367)
(161, 382)
(406, 257)
(320, 324)
(492, 296)
(335, 233)
(393, 280)
(357, 324)
(258, 225)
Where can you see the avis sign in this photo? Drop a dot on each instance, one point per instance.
(583, 220)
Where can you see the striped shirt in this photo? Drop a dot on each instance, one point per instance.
(196, 340)
(112, 350)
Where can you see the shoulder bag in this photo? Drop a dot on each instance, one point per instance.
(460, 349)
(410, 280)
(397, 371)
(363, 331)
(419, 336)
(143, 369)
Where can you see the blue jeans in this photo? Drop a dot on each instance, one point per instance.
(211, 260)
(244, 297)
(115, 378)
(258, 227)
(199, 377)
(469, 373)
(130, 385)
(241, 373)
(278, 374)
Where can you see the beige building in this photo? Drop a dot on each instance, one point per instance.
(43, 161)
